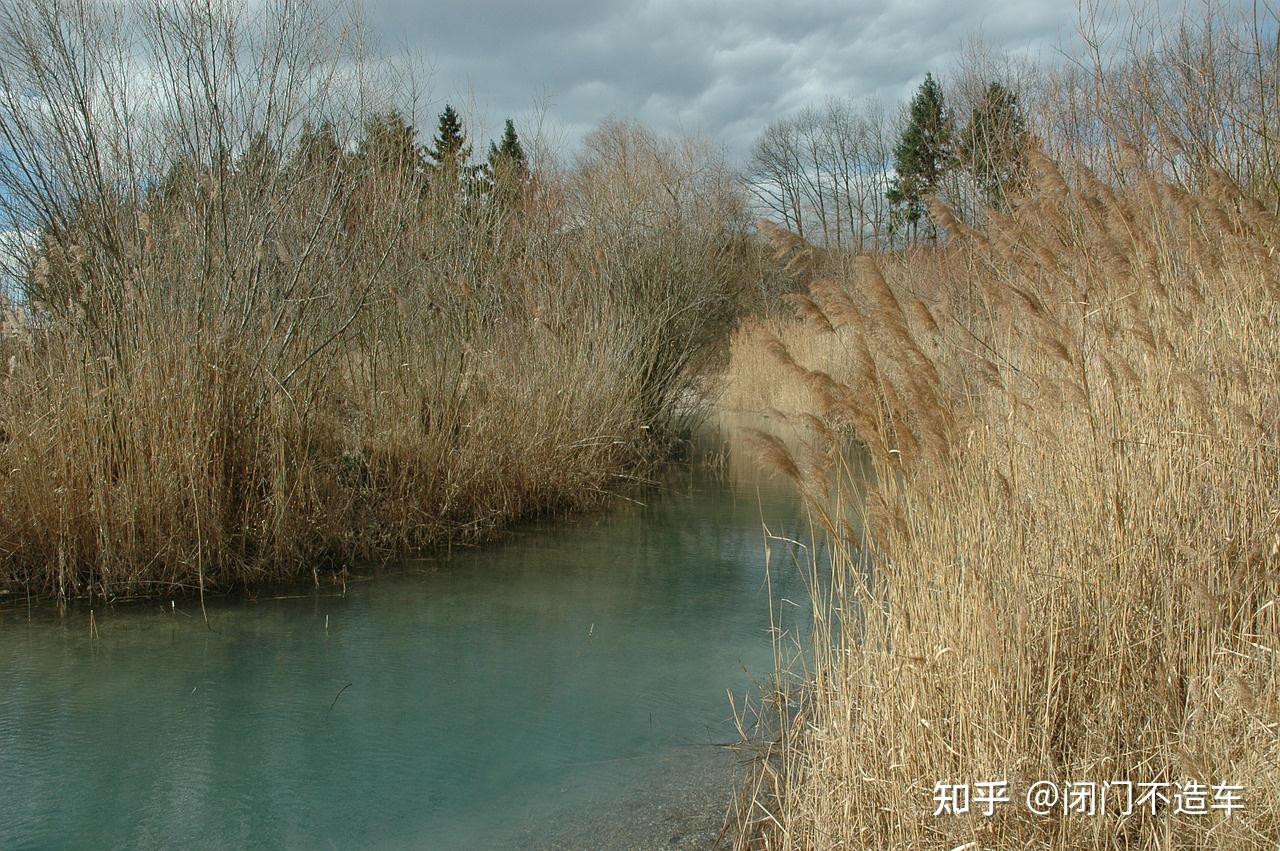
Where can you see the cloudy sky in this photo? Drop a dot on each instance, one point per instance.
(724, 68)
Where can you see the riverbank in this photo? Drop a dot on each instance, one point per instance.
(317, 341)
(535, 693)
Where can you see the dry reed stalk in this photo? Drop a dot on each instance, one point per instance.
(1083, 586)
(262, 334)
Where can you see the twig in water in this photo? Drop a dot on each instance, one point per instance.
(335, 700)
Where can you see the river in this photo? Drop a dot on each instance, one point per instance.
(569, 687)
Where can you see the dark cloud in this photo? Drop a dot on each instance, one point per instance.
(724, 68)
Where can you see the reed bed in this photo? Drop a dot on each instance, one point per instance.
(1070, 569)
(757, 380)
(256, 332)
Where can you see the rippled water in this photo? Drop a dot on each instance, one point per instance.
(568, 688)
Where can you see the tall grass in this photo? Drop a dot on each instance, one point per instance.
(259, 333)
(1071, 566)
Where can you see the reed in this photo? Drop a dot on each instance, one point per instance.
(255, 332)
(1072, 534)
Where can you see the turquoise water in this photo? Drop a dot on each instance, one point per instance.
(568, 688)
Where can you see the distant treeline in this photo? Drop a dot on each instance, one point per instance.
(1183, 99)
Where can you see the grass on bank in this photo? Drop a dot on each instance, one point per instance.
(1071, 569)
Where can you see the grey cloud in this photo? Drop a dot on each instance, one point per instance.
(716, 67)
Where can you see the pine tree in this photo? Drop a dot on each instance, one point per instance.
(318, 150)
(923, 154)
(507, 167)
(390, 146)
(509, 153)
(449, 151)
(994, 146)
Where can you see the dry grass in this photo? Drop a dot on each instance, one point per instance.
(260, 335)
(1072, 564)
(760, 380)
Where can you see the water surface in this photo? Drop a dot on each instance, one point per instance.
(567, 688)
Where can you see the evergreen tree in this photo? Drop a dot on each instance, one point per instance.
(923, 154)
(318, 150)
(390, 146)
(507, 167)
(994, 145)
(449, 152)
(509, 153)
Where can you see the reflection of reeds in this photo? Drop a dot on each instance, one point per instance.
(1074, 524)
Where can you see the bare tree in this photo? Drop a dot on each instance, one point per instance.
(824, 173)
(774, 175)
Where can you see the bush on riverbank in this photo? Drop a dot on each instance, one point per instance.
(261, 329)
(1073, 536)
